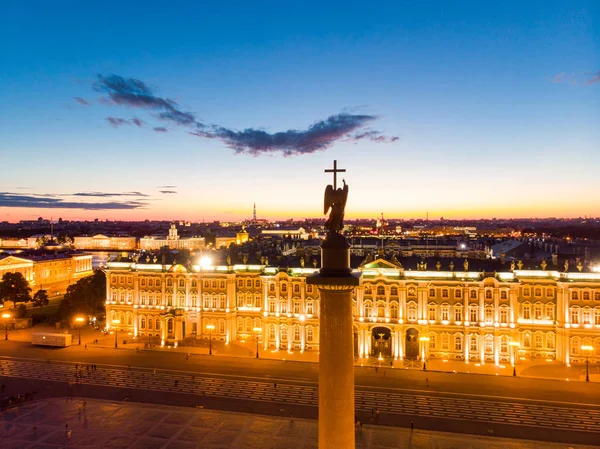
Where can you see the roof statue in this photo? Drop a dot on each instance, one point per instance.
(336, 200)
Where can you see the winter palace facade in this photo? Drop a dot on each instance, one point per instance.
(399, 313)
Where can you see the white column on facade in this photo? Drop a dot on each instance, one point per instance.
(302, 337)
(481, 339)
(496, 349)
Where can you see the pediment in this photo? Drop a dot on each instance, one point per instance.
(12, 260)
(99, 236)
(381, 263)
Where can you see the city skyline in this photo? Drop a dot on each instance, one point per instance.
(470, 111)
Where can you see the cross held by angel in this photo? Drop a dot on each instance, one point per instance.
(335, 199)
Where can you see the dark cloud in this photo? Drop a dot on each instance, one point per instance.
(321, 135)
(594, 79)
(81, 101)
(8, 199)
(166, 187)
(108, 194)
(167, 191)
(136, 121)
(116, 122)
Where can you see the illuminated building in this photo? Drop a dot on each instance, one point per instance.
(102, 242)
(467, 314)
(173, 241)
(52, 272)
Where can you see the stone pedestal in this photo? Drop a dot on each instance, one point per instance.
(336, 359)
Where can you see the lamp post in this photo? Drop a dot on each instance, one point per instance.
(424, 340)
(587, 349)
(515, 345)
(258, 331)
(210, 328)
(115, 323)
(6, 316)
(80, 321)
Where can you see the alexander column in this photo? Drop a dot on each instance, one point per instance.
(336, 283)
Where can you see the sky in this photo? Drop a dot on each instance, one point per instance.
(197, 110)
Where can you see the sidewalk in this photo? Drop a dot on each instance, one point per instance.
(525, 368)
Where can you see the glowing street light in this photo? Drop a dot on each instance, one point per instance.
(210, 327)
(79, 320)
(258, 331)
(115, 323)
(205, 262)
(515, 345)
(587, 349)
(424, 340)
(6, 317)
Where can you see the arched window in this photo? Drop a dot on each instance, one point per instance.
(504, 344)
(445, 342)
(143, 322)
(432, 341)
(489, 344)
(596, 296)
(284, 287)
(473, 294)
(222, 327)
(458, 342)
(310, 334)
(445, 293)
(394, 291)
(473, 343)
(257, 283)
(503, 295)
(574, 315)
(297, 336)
(309, 307)
(574, 296)
(411, 312)
(248, 283)
(537, 292)
(272, 305)
(367, 289)
(284, 332)
(550, 340)
(381, 309)
(586, 296)
(271, 332)
(296, 288)
(432, 292)
(380, 291)
(283, 306)
(248, 322)
(488, 294)
(368, 309)
(248, 299)
(527, 340)
(538, 341)
(240, 324)
(575, 345)
(157, 323)
(150, 324)
(257, 300)
(458, 293)
(394, 310)
(549, 293)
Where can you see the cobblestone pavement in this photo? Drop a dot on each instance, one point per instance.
(79, 423)
(511, 412)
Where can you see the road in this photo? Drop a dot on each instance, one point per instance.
(523, 408)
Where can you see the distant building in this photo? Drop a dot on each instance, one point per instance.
(299, 233)
(49, 271)
(102, 242)
(172, 241)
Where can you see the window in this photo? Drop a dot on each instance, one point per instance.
(296, 288)
(257, 300)
(473, 343)
(381, 309)
(297, 333)
(214, 301)
(411, 312)
(150, 324)
(458, 343)
(596, 296)
(489, 344)
(526, 292)
(284, 287)
(504, 345)
(445, 313)
(380, 291)
(445, 342)
(394, 291)
(240, 300)
(272, 305)
(309, 307)
(309, 288)
(284, 333)
(221, 326)
(597, 316)
(296, 307)
(473, 314)
(150, 283)
(503, 294)
(527, 340)
(248, 283)
(143, 323)
(457, 293)
(538, 341)
(488, 294)
(181, 283)
(432, 293)
(222, 284)
(432, 342)
(587, 316)
(271, 287)
(504, 315)
(489, 314)
(240, 324)
(394, 310)
(549, 293)
(367, 289)
(368, 309)
(194, 283)
(222, 301)
(586, 296)
(458, 314)
(143, 282)
(473, 294)
(575, 345)
(432, 314)
(549, 312)
(574, 296)
(526, 311)
(248, 299)
(257, 283)
(537, 311)
(574, 315)
(310, 334)
(283, 306)
(272, 332)
(445, 293)
(169, 282)
(213, 284)
(550, 340)
(537, 292)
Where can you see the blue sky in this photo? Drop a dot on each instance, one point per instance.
(491, 103)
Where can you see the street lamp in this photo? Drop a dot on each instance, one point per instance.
(210, 327)
(424, 340)
(515, 345)
(587, 349)
(79, 320)
(6, 316)
(258, 331)
(115, 323)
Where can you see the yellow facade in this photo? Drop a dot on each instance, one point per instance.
(467, 316)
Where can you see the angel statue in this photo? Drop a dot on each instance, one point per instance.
(336, 200)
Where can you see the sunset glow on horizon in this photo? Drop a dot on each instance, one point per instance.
(428, 110)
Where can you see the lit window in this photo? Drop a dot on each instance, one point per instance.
(458, 343)
(574, 315)
(526, 312)
(444, 294)
(458, 314)
(432, 293)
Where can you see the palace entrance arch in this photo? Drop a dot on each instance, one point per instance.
(381, 342)
(411, 344)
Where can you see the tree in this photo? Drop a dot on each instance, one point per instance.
(85, 297)
(14, 287)
(40, 298)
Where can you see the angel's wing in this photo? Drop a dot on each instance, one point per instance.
(329, 193)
